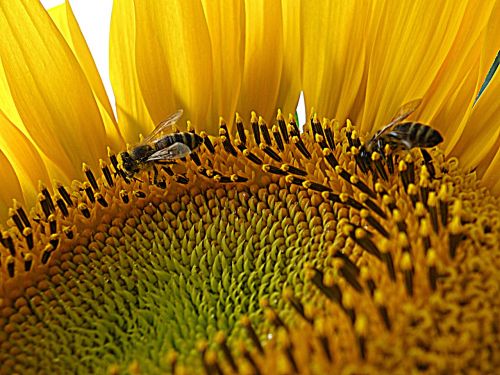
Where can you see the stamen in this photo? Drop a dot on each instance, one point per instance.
(16, 219)
(443, 205)
(407, 268)
(377, 161)
(44, 204)
(329, 135)
(315, 186)
(247, 324)
(282, 126)
(8, 243)
(269, 151)
(28, 235)
(226, 138)
(431, 204)
(195, 158)
(274, 170)
(361, 329)
(265, 131)
(365, 214)
(64, 194)
(47, 195)
(82, 207)
(254, 122)
(296, 304)
(300, 146)
(431, 260)
(207, 142)
(22, 214)
(220, 339)
(378, 298)
(330, 158)
(11, 266)
(293, 170)
(106, 173)
(90, 176)
(52, 223)
(241, 129)
(68, 232)
(28, 262)
(455, 235)
(424, 232)
(277, 138)
(88, 190)
(100, 198)
(252, 157)
(46, 253)
(385, 250)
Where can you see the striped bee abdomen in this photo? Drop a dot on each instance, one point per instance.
(417, 134)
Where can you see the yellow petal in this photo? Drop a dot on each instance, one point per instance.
(333, 42)
(133, 116)
(49, 88)
(11, 189)
(24, 157)
(65, 21)
(226, 26)
(449, 99)
(407, 44)
(476, 145)
(291, 76)
(174, 61)
(263, 58)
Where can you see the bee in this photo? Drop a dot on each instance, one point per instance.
(400, 136)
(160, 148)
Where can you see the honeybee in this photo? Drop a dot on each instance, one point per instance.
(400, 136)
(158, 147)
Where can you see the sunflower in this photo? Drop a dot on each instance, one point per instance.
(269, 248)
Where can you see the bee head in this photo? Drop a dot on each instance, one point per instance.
(127, 163)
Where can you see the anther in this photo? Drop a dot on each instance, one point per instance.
(330, 158)
(455, 235)
(424, 184)
(265, 131)
(47, 195)
(106, 173)
(83, 208)
(294, 180)
(44, 204)
(319, 327)
(431, 260)
(90, 176)
(329, 135)
(365, 276)
(195, 158)
(88, 190)
(220, 339)
(407, 268)
(373, 206)
(274, 170)
(207, 142)
(46, 253)
(396, 214)
(22, 214)
(424, 232)
(315, 186)
(8, 243)
(180, 179)
(62, 206)
(403, 172)
(254, 122)
(16, 219)
(28, 235)
(332, 291)
(52, 224)
(247, 324)
(124, 196)
(346, 271)
(428, 163)
(11, 262)
(362, 238)
(365, 214)
(68, 232)
(241, 129)
(361, 330)
(100, 198)
(431, 204)
(301, 146)
(277, 138)
(282, 126)
(64, 194)
(354, 180)
(293, 170)
(28, 262)
(54, 240)
(269, 151)
(377, 160)
(413, 193)
(378, 298)
(296, 304)
(443, 205)
(238, 178)
(226, 138)
(387, 258)
(389, 158)
(252, 157)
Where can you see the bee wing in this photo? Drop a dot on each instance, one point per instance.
(176, 151)
(403, 112)
(162, 126)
